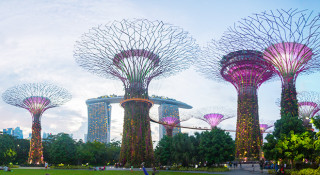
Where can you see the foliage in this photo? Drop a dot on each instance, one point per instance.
(295, 147)
(307, 171)
(22, 150)
(210, 148)
(216, 146)
(13, 150)
(316, 121)
(163, 151)
(63, 150)
(286, 124)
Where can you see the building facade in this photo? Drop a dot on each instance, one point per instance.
(99, 121)
(17, 132)
(168, 110)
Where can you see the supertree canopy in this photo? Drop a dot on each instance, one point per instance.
(264, 127)
(290, 42)
(308, 103)
(135, 51)
(246, 70)
(214, 119)
(169, 123)
(36, 98)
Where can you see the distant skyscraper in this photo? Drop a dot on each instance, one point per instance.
(99, 114)
(45, 135)
(18, 133)
(85, 138)
(8, 131)
(168, 110)
(14, 132)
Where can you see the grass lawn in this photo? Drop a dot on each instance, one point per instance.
(84, 172)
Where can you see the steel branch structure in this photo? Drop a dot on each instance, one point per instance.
(36, 98)
(169, 123)
(289, 40)
(308, 103)
(136, 51)
(213, 119)
(246, 70)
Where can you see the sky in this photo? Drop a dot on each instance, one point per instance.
(37, 40)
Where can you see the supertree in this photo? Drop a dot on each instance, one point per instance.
(36, 98)
(246, 70)
(214, 119)
(289, 40)
(169, 123)
(263, 128)
(136, 51)
(308, 103)
(210, 116)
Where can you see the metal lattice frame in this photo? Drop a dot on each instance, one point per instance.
(169, 123)
(136, 51)
(36, 98)
(265, 127)
(290, 40)
(213, 119)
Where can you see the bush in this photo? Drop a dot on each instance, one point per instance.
(307, 171)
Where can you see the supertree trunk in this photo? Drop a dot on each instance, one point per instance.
(36, 153)
(289, 104)
(248, 137)
(169, 131)
(136, 140)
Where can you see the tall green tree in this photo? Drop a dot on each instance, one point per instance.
(63, 150)
(7, 149)
(295, 147)
(182, 149)
(216, 146)
(22, 149)
(163, 151)
(286, 124)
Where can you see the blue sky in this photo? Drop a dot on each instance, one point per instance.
(37, 40)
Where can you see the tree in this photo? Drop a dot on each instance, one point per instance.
(295, 147)
(7, 149)
(163, 151)
(63, 150)
(22, 148)
(216, 146)
(113, 151)
(286, 124)
(182, 149)
(316, 121)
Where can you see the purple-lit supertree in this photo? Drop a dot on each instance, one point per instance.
(136, 51)
(246, 70)
(263, 128)
(290, 41)
(213, 119)
(36, 98)
(308, 103)
(169, 123)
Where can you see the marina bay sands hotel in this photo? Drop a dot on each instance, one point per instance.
(99, 115)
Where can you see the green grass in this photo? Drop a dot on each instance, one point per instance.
(85, 172)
